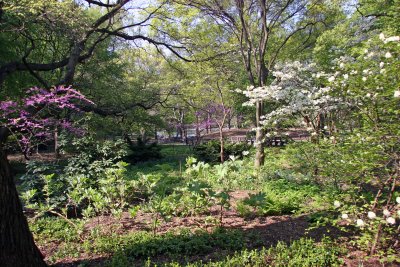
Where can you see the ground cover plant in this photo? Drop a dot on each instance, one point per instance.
(199, 133)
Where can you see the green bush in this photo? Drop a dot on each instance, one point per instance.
(141, 151)
(91, 157)
(210, 151)
(73, 196)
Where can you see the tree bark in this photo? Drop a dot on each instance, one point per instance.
(56, 144)
(221, 139)
(259, 143)
(17, 247)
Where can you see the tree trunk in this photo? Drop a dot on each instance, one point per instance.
(56, 145)
(259, 143)
(221, 139)
(208, 126)
(17, 247)
(185, 137)
(197, 130)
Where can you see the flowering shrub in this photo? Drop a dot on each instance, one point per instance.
(370, 82)
(34, 117)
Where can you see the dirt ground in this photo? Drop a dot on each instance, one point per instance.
(270, 230)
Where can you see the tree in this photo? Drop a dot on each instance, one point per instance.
(298, 90)
(27, 120)
(263, 30)
(73, 31)
(46, 41)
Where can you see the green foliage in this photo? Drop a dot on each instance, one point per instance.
(210, 151)
(72, 195)
(92, 157)
(40, 183)
(232, 174)
(143, 152)
(303, 252)
(141, 245)
(281, 197)
(55, 229)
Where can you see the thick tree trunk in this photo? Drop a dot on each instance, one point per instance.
(17, 247)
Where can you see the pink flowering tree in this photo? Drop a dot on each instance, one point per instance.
(29, 120)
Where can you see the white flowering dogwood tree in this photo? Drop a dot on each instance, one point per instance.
(298, 89)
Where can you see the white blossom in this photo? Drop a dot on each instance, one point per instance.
(397, 95)
(297, 92)
(364, 78)
(336, 204)
(345, 216)
(392, 39)
(386, 212)
(360, 223)
(398, 198)
(390, 220)
(388, 55)
(382, 36)
(346, 76)
(331, 79)
(371, 215)
(381, 64)
(245, 153)
(353, 72)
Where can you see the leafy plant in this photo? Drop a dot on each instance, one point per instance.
(210, 151)
(141, 151)
(92, 157)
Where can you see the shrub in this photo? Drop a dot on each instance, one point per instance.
(141, 151)
(92, 157)
(210, 151)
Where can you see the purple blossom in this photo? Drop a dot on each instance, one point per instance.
(30, 118)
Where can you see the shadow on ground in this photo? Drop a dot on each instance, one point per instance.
(219, 244)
